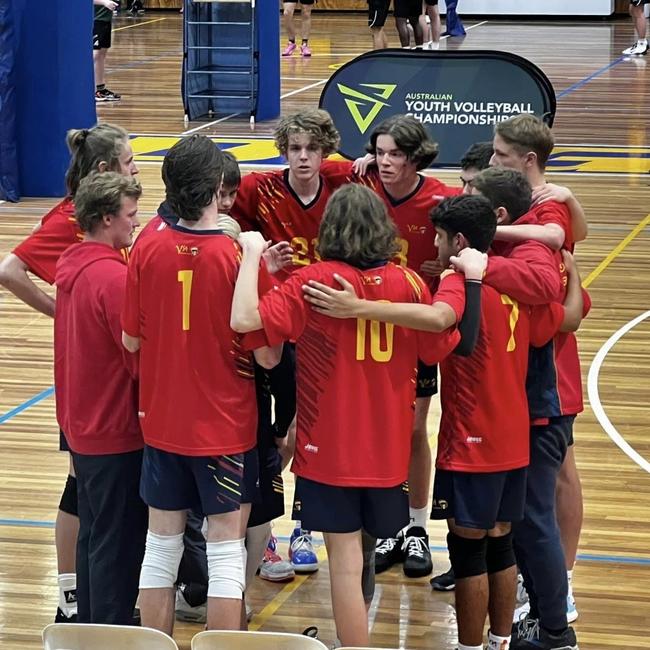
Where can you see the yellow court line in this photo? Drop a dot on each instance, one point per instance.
(282, 596)
(616, 252)
(146, 22)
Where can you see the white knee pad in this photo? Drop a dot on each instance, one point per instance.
(226, 568)
(161, 559)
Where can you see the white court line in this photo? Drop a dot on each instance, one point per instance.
(205, 126)
(594, 397)
(295, 92)
(310, 86)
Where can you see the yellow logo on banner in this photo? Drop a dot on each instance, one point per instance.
(359, 100)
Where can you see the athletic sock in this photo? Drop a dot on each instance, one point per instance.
(101, 86)
(498, 642)
(418, 517)
(67, 593)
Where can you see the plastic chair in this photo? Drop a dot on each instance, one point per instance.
(78, 636)
(231, 640)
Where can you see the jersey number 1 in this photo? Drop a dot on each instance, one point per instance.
(185, 278)
(379, 354)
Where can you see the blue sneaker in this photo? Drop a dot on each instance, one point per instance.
(301, 552)
(571, 611)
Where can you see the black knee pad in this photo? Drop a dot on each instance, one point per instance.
(500, 553)
(68, 501)
(468, 556)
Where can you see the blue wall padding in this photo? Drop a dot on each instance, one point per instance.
(54, 88)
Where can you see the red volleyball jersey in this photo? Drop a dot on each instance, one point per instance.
(555, 378)
(411, 214)
(58, 230)
(356, 378)
(197, 389)
(484, 423)
(266, 202)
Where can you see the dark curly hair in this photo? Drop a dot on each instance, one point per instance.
(410, 137)
(472, 216)
(192, 171)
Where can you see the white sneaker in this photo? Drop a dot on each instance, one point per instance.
(640, 48)
(522, 606)
(571, 611)
(185, 612)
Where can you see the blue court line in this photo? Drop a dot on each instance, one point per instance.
(586, 80)
(25, 405)
(586, 557)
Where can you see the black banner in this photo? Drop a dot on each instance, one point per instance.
(458, 95)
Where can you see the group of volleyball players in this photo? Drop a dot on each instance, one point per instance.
(350, 282)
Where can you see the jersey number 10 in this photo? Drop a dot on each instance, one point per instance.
(377, 353)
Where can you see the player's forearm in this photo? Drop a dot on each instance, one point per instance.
(573, 304)
(531, 281)
(549, 234)
(579, 226)
(245, 315)
(428, 318)
(14, 278)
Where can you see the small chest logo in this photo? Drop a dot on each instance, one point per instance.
(313, 449)
(474, 439)
(184, 249)
(418, 230)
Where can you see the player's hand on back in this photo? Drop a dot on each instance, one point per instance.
(431, 267)
(332, 302)
(569, 262)
(470, 262)
(551, 192)
(278, 256)
(109, 4)
(360, 165)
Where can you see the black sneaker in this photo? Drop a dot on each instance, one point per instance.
(389, 552)
(444, 582)
(62, 618)
(528, 635)
(106, 95)
(417, 556)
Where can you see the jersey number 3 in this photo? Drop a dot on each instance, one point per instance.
(185, 278)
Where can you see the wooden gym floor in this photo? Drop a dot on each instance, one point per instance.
(602, 100)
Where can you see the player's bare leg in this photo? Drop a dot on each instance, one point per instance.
(345, 555)
(432, 30)
(157, 603)
(66, 531)
(306, 21)
(569, 507)
(379, 38)
(640, 21)
(99, 63)
(472, 593)
(420, 463)
(503, 590)
(288, 9)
